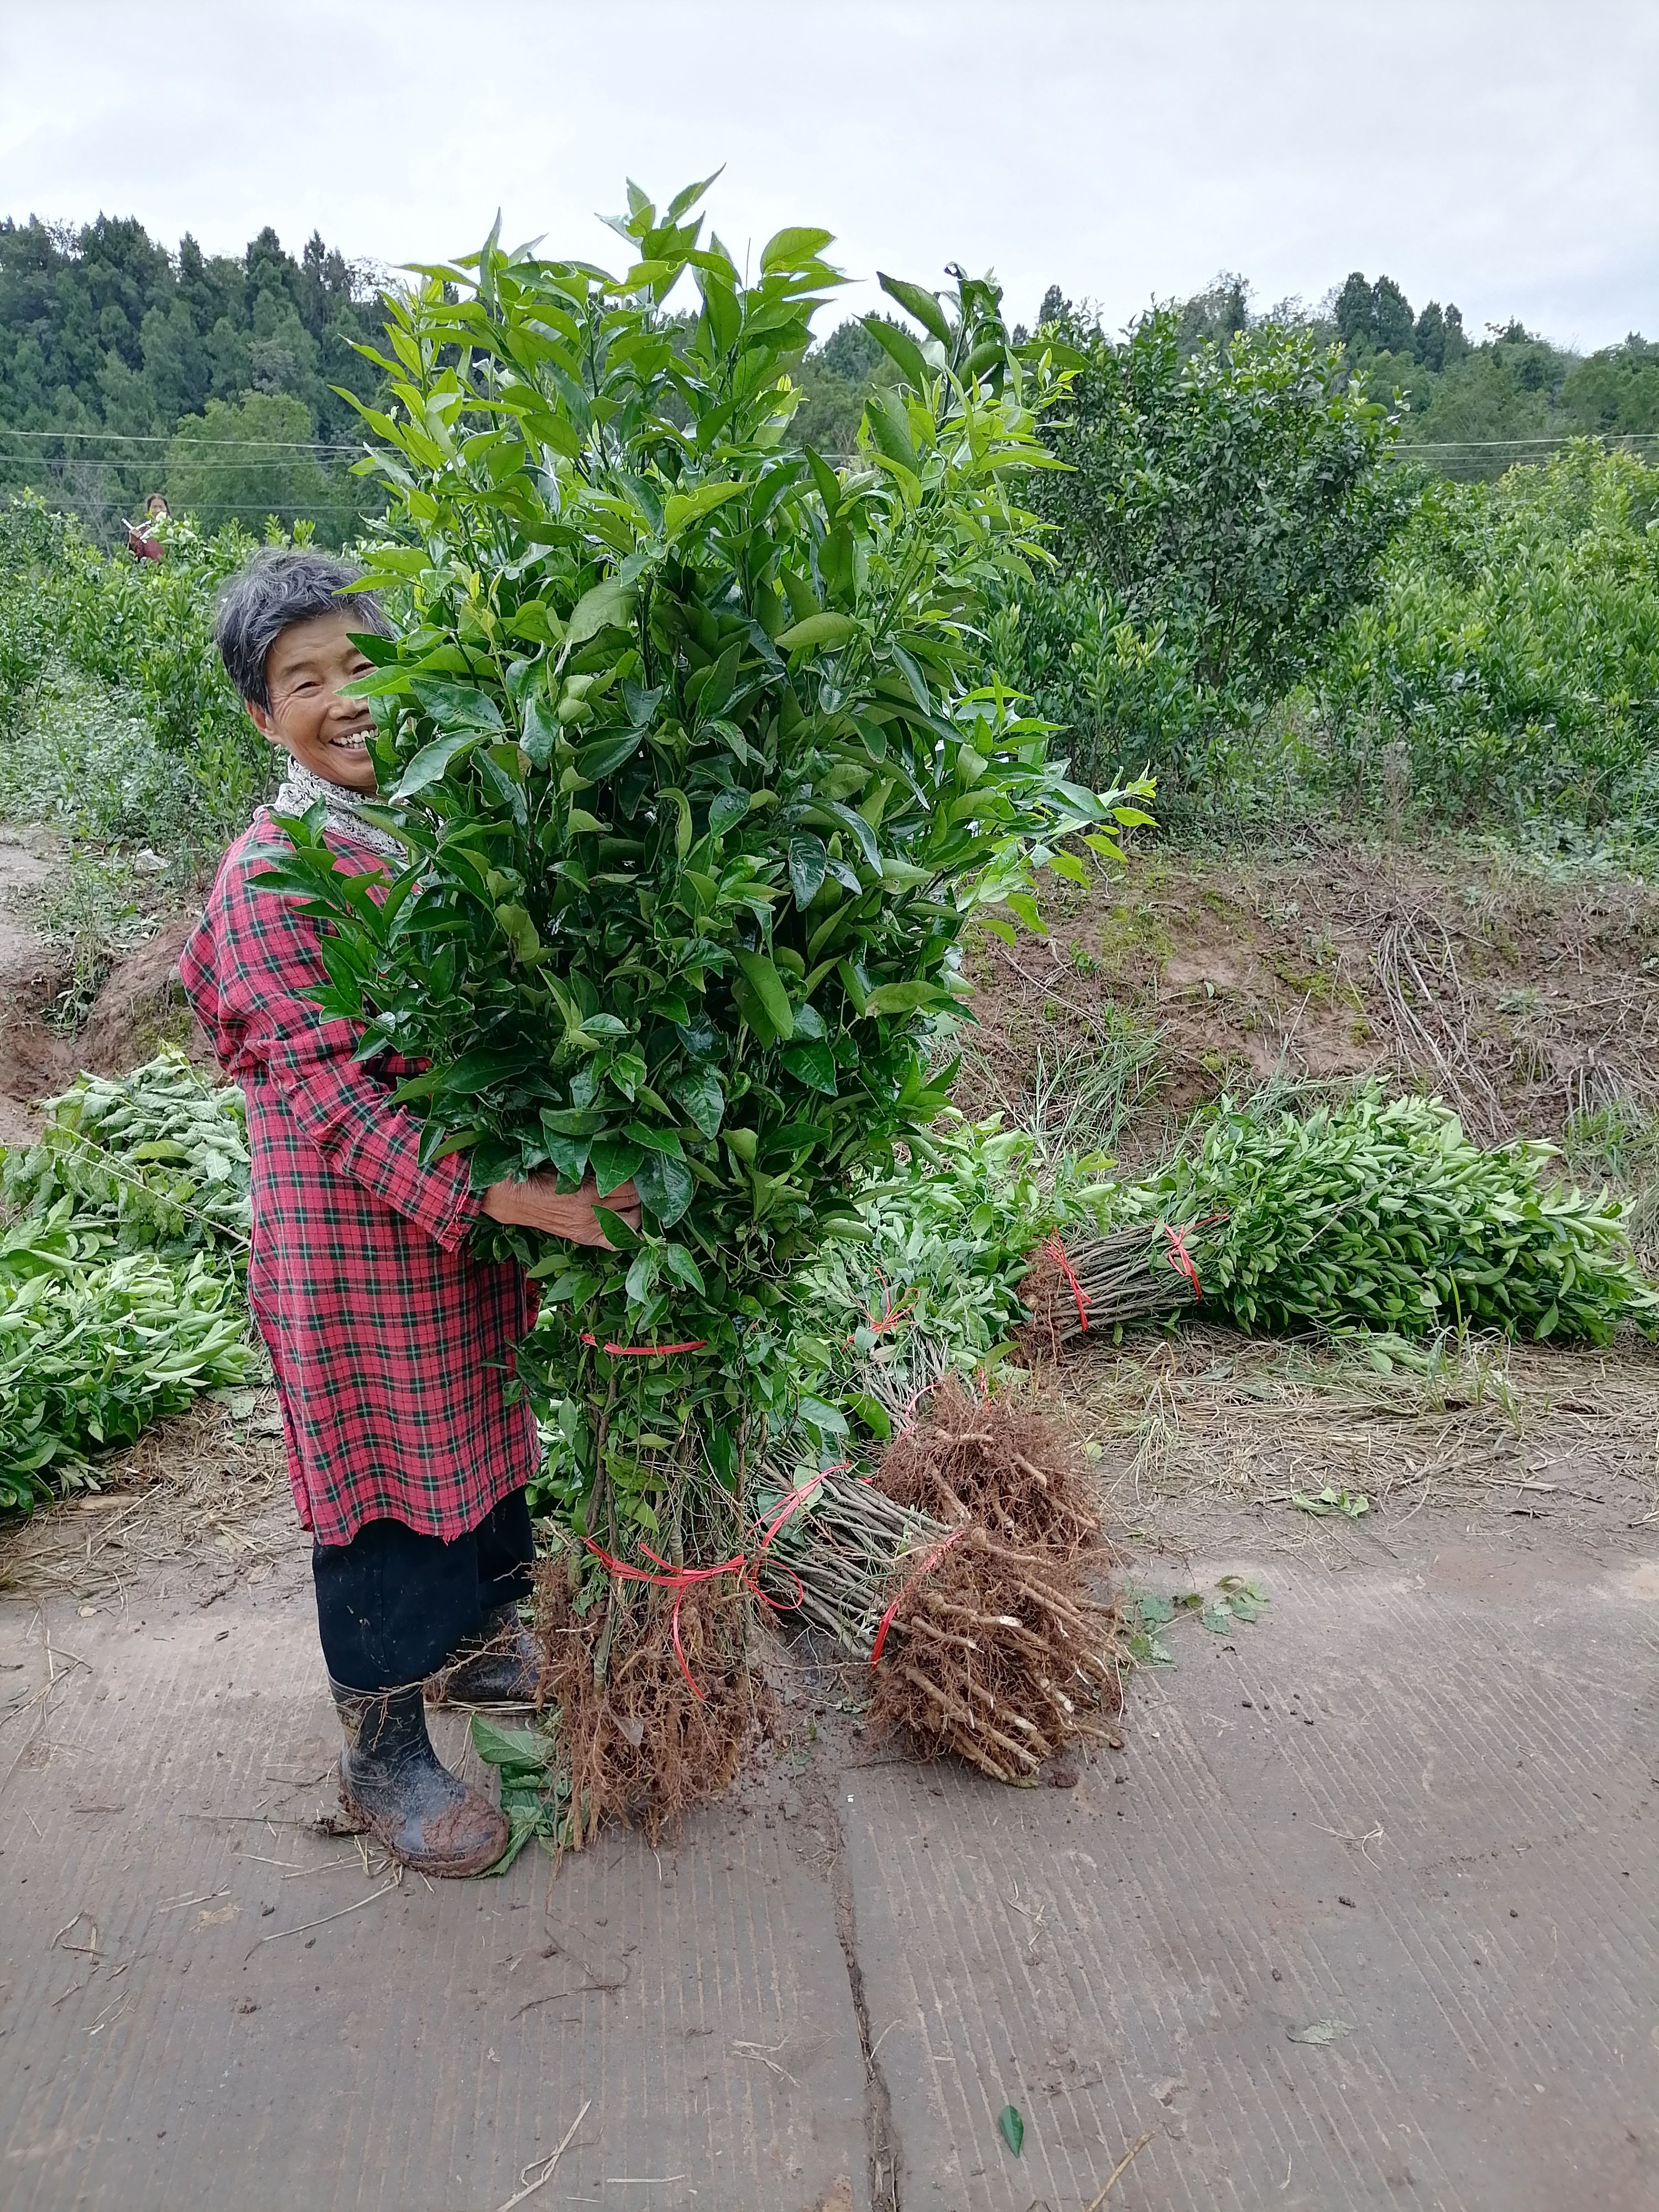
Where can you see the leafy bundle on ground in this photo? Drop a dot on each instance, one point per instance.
(928, 1280)
(95, 1345)
(159, 1156)
(118, 1293)
(1376, 1213)
(699, 792)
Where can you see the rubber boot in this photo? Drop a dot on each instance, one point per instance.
(499, 1666)
(393, 1787)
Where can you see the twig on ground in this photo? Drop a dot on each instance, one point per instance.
(276, 1934)
(1122, 2167)
(529, 2189)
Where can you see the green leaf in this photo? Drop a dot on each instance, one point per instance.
(889, 426)
(433, 760)
(699, 1091)
(612, 1160)
(813, 1063)
(808, 859)
(606, 754)
(458, 706)
(609, 605)
(726, 808)
(688, 196)
(923, 305)
(1008, 2119)
(684, 508)
(904, 998)
(829, 629)
(792, 248)
(509, 1748)
(828, 482)
(665, 1187)
(541, 731)
(767, 985)
(898, 343)
(616, 1230)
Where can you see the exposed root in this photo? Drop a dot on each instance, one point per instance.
(991, 1461)
(641, 1745)
(1002, 1656)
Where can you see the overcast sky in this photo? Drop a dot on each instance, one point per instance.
(1503, 154)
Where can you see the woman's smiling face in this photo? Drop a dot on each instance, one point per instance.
(304, 672)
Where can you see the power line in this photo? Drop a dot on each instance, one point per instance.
(1543, 438)
(166, 437)
(191, 468)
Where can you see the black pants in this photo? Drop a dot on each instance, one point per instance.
(393, 1605)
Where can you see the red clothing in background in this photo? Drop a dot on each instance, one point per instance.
(391, 1345)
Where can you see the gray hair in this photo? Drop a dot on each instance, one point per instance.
(281, 586)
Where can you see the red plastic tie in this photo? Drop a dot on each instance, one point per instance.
(892, 1315)
(1181, 1260)
(644, 1351)
(926, 1568)
(1056, 1252)
(746, 1566)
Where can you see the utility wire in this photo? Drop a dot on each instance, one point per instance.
(166, 437)
(103, 460)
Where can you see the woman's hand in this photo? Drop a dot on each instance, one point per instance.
(538, 1203)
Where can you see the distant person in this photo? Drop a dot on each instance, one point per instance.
(390, 1344)
(141, 541)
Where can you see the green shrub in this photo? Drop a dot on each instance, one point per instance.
(1221, 509)
(1512, 658)
(117, 720)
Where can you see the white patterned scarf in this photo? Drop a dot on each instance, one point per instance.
(343, 812)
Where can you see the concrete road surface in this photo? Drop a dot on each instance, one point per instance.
(1363, 1914)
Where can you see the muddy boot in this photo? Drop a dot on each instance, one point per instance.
(499, 1666)
(393, 1786)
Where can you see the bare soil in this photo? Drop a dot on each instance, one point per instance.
(140, 1007)
(1519, 1000)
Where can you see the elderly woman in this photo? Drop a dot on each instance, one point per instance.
(391, 1345)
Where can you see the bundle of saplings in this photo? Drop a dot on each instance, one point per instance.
(119, 1299)
(1374, 1213)
(699, 790)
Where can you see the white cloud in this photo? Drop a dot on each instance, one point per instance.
(1501, 153)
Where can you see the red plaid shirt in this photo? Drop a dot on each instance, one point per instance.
(390, 1344)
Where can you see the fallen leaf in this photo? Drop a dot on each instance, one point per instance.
(1320, 2031)
(217, 1917)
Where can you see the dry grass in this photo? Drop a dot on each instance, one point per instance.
(192, 1494)
(1211, 1418)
